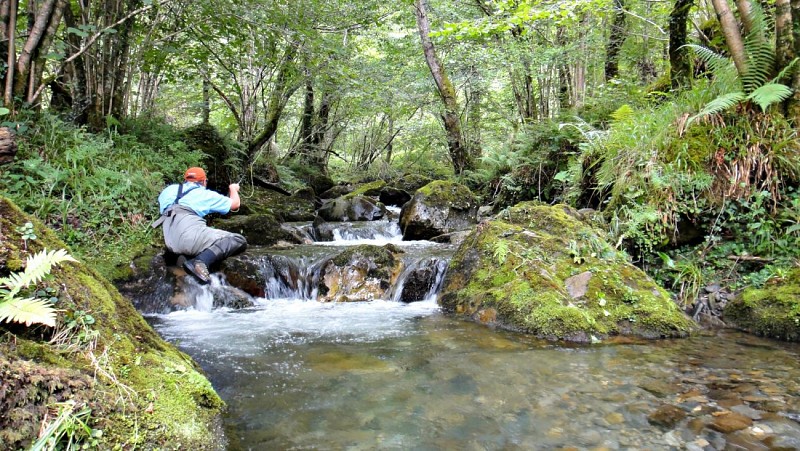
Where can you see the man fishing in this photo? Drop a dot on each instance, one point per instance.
(183, 207)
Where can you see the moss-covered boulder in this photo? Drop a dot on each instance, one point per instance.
(539, 270)
(261, 201)
(141, 391)
(261, 229)
(772, 311)
(438, 208)
(361, 273)
(207, 139)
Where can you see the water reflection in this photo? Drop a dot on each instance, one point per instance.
(384, 375)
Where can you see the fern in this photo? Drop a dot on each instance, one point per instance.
(718, 105)
(29, 310)
(754, 85)
(769, 94)
(501, 251)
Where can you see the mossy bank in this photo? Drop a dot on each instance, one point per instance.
(143, 393)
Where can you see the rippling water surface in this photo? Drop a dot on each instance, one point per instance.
(384, 375)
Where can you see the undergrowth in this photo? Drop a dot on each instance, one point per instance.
(98, 191)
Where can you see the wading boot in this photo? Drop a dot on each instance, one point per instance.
(198, 269)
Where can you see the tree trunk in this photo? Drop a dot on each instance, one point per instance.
(784, 52)
(459, 155)
(564, 78)
(281, 93)
(8, 146)
(206, 113)
(733, 38)
(793, 103)
(30, 48)
(8, 94)
(680, 70)
(615, 40)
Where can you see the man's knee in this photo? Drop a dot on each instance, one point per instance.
(239, 244)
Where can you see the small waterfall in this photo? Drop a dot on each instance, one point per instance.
(295, 273)
(420, 281)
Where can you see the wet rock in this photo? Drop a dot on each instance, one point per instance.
(420, 281)
(730, 422)
(259, 230)
(667, 416)
(747, 411)
(436, 209)
(578, 285)
(660, 389)
(452, 238)
(362, 273)
(395, 197)
(356, 208)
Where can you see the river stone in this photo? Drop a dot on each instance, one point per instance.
(361, 273)
(261, 201)
(773, 311)
(393, 196)
(438, 208)
(667, 416)
(730, 422)
(518, 264)
(356, 208)
(578, 285)
(258, 229)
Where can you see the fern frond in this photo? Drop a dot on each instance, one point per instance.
(28, 311)
(36, 267)
(716, 62)
(721, 103)
(786, 71)
(622, 113)
(769, 94)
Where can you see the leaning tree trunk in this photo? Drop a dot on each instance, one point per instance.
(615, 40)
(733, 38)
(460, 156)
(680, 70)
(281, 93)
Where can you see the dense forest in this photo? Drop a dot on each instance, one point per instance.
(675, 121)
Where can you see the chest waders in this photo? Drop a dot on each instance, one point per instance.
(168, 213)
(186, 233)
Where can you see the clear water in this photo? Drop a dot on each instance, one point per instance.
(383, 375)
(298, 374)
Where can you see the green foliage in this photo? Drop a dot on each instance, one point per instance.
(752, 86)
(98, 191)
(687, 278)
(69, 430)
(29, 310)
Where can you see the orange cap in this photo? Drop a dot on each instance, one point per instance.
(194, 175)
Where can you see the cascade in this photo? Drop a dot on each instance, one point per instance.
(295, 273)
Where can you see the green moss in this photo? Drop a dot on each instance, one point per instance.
(441, 192)
(367, 189)
(772, 312)
(542, 247)
(131, 366)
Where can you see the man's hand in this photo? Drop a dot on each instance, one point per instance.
(233, 193)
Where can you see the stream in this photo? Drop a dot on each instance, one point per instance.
(300, 374)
